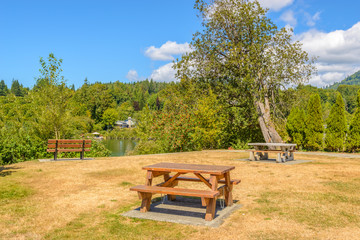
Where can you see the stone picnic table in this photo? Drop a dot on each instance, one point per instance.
(284, 151)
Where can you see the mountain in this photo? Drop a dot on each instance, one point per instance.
(353, 79)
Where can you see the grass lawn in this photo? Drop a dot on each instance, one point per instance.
(84, 199)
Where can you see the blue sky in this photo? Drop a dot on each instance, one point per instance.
(127, 41)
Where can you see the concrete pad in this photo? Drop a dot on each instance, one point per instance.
(64, 159)
(183, 210)
(291, 162)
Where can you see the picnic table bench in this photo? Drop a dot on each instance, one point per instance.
(68, 145)
(284, 151)
(218, 174)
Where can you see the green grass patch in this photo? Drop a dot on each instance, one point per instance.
(111, 225)
(13, 191)
(347, 187)
(125, 184)
(318, 209)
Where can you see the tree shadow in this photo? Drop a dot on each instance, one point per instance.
(6, 171)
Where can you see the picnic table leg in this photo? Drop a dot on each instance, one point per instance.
(149, 177)
(210, 208)
(146, 201)
(173, 184)
(291, 156)
(146, 197)
(228, 190)
(211, 202)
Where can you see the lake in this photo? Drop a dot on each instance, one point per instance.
(119, 147)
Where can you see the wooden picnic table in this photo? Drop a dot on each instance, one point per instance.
(217, 175)
(284, 151)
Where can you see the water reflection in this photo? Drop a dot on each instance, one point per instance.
(119, 147)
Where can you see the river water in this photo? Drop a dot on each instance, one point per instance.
(119, 147)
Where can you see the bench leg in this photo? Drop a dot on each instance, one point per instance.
(172, 197)
(210, 209)
(228, 190)
(146, 201)
(252, 157)
(291, 156)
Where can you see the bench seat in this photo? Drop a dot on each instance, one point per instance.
(192, 179)
(176, 191)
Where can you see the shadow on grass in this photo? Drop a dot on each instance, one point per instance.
(6, 171)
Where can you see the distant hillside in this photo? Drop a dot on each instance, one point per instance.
(351, 80)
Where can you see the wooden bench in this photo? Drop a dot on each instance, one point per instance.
(68, 145)
(145, 193)
(191, 179)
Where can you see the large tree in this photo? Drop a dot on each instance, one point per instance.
(51, 96)
(245, 58)
(314, 124)
(336, 126)
(353, 143)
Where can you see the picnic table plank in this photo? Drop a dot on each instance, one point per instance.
(189, 168)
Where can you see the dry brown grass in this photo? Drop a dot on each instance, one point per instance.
(72, 199)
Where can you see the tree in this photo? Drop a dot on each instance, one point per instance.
(336, 126)
(109, 117)
(295, 126)
(3, 88)
(354, 129)
(16, 88)
(245, 59)
(51, 96)
(314, 129)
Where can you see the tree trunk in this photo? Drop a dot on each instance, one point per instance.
(266, 124)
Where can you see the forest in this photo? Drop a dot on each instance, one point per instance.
(232, 90)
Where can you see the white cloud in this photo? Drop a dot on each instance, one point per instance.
(167, 50)
(164, 73)
(338, 53)
(311, 20)
(275, 5)
(133, 76)
(289, 18)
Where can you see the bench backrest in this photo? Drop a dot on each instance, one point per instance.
(75, 144)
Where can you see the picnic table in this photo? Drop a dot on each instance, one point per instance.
(217, 175)
(284, 151)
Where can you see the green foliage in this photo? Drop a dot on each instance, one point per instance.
(314, 124)
(121, 133)
(98, 150)
(295, 126)
(17, 89)
(353, 140)
(245, 59)
(349, 93)
(189, 121)
(336, 126)
(109, 117)
(3, 88)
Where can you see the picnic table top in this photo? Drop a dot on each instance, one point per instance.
(273, 144)
(189, 168)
